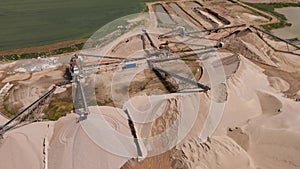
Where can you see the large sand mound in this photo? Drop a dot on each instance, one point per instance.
(72, 147)
(264, 124)
(279, 84)
(76, 144)
(24, 146)
(274, 136)
(63, 144)
(217, 153)
(252, 46)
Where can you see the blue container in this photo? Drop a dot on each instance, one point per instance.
(130, 65)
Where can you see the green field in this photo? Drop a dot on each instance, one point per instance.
(40, 22)
(270, 8)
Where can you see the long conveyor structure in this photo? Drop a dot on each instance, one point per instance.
(14, 121)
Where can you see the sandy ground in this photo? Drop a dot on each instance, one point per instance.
(27, 91)
(3, 119)
(248, 130)
(23, 148)
(44, 48)
(258, 129)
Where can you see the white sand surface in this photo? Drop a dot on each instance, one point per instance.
(23, 147)
(217, 153)
(262, 125)
(269, 123)
(2, 119)
(74, 145)
(274, 136)
(69, 145)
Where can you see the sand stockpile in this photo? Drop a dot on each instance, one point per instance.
(274, 136)
(164, 118)
(264, 124)
(63, 144)
(24, 146)
(76, 145)
(263, 128)
(250, 45)
(261, 132)
(16, 77)
(216, 153)
(258, 129)
(168, 119)
(90, 143)
(278, 84)
(242, 103)
(177, 116)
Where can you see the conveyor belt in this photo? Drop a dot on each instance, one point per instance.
(195, 32)
(149, 38)
(100, 56)
(268, 33)
(3, 127)
(186, 80)
(183, 57)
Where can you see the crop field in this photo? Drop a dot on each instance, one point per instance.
(40, 22)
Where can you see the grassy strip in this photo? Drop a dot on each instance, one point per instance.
(58, 108)
(40, 23)
(105, 30)
(106, 34)
(14, 57)
(145, 8)
(270, 8)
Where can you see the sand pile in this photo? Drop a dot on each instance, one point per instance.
(24, 147)
(178, 116)
(251, 46)
(76, 145)
(243, 103)
(128, 46)
(265, 123)
(217, 153)
(274, 136)
(62, 144)
(278, 84)
(263, 128)
(169, 118)
(258, 129)
(261, 132)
